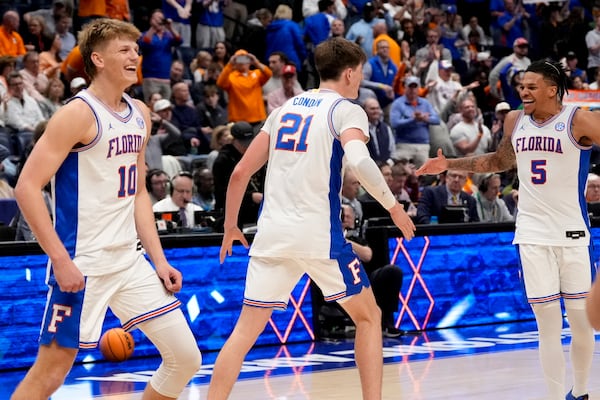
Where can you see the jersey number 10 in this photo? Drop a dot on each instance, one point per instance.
(127, 180)
(292, 137)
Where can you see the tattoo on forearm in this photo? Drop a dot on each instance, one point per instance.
(501, 160)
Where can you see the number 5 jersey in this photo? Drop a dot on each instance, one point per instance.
(552, 169)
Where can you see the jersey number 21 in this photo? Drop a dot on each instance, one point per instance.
(293, 132)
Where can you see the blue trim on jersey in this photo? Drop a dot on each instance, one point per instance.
(332, 130)
(521, 279)
(66, 199)
(276, 305)
(88, 345)
(545, 299)
(548, 121)
(584, 163)
(67, 317)
(584, 166)
(260, 207)
(337, 239)
(157, 312)
(335, 296)
(520, 118)
(570, 131)
(118, 116)
(593, 265)
(98, 136)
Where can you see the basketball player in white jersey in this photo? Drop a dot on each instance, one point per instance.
(93, 151)
(550, 144)
(299, 228)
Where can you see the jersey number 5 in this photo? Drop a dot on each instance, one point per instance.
(293, 132)
(127, 180)
(538, 172)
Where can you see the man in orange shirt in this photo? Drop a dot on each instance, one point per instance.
(380, 32)
(90, 10)
(72, 66)
(244, 87)
(118, 9)
(11, 43)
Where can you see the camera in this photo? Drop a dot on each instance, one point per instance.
(163, 22)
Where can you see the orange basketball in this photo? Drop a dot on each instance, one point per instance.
(116, 345)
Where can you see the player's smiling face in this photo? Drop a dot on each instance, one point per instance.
(122, 56)
(530, 91)
(535, 92)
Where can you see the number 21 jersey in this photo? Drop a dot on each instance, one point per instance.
(300, 214)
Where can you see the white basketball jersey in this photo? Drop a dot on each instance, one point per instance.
(552, 169)
(95, 188)
(300, 214)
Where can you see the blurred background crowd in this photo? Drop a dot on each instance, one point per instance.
(438, 75)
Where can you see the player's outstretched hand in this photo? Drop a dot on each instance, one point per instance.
(229, 236)
(402, 221)
(170, 277)
(434, 165)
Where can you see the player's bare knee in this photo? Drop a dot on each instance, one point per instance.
(375, 315)
(45, 380)
(53, 379)
(368, 315)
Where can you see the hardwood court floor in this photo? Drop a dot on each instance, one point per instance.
(492, 362)
(492, 376)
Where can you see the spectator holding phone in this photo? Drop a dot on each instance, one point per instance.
(156, 46)
(244, 87)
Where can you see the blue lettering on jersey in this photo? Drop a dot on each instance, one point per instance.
(124, 144)
(306, 102)
(538, 143)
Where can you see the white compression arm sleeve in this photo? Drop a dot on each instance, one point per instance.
(368, 174)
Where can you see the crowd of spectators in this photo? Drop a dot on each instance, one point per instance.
(438, 75)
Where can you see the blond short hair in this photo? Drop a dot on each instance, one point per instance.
(97, 33)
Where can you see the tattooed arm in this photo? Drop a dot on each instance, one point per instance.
(501, 160)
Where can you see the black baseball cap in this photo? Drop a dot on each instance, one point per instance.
(242, 131)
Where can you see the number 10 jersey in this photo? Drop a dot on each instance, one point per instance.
(94, 189)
